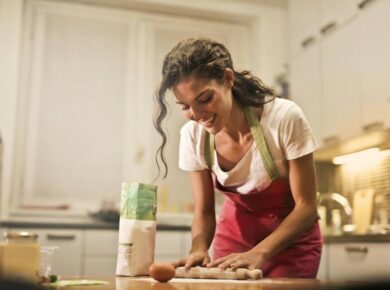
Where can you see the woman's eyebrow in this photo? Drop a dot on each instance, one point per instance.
(197, 97)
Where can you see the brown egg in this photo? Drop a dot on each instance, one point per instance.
(162, 272)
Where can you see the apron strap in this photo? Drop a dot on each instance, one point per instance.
(258, 137)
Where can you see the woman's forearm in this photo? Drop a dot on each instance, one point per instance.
(203, 229)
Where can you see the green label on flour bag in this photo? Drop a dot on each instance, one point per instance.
(139, 201)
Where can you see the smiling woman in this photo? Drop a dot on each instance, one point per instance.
(256, 149)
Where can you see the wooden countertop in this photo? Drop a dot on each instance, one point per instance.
(147, 283)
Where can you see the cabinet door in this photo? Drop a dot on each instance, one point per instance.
(168, 246)
(337, 12)
(340, 65)
(305, 80)
(67, 259)
(323, 269)
(359, 261)
(303, 22)
(100, 252)
(374, 48)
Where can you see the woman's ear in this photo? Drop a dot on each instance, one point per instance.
(229, 78)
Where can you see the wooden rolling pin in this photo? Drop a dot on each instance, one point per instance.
(217, 273)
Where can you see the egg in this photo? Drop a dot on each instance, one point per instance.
(162, 272)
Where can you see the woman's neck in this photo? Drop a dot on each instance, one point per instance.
(237, 126)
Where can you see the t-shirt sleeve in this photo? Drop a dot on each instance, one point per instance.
(190, 149)
(297, 137)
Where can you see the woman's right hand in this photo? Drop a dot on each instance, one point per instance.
(196, 258)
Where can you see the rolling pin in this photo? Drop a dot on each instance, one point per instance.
(218, 273)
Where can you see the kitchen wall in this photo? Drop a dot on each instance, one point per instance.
(359, 175)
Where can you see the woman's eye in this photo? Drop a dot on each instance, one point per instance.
(206, 100)
(185, 108)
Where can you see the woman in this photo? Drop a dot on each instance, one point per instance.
(253, 147)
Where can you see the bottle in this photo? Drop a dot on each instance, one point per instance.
(336, 222)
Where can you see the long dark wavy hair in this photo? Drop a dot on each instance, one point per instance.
(205, 59)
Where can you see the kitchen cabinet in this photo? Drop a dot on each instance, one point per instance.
(340, 66)
(358, 261)
(100, 252)
(374, 71)
(347, 69)
(68, 258)
(172, 245)
(303, 23)
(335, 13)
(323, 270)
(306, 86)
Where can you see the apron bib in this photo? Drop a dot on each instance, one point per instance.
(246, 219)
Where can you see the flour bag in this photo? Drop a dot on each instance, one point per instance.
(137, 229)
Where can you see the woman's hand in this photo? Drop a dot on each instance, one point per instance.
(196, 258)
(250, 260)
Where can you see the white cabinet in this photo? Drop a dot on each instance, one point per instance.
(67, 259)
(303, 24)
(335, 12)
(100, 252)
(374, 72)
(340, 66)
(172, 245)
(306, 86)
(359, 261)
(323, 271)
(347, 71)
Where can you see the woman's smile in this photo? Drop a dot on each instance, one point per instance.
(208, 122)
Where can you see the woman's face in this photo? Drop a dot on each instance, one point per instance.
(206, 101)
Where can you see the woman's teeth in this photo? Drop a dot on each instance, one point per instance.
(209, 121)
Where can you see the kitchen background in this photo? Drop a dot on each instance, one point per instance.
(76, 105)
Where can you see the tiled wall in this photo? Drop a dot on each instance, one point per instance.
(348, 178)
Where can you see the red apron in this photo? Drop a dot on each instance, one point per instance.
(246, 219)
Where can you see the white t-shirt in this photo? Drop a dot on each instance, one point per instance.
(287, 134)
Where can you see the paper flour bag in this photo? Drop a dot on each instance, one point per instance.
(137, 229)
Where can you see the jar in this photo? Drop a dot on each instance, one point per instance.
(20, 256)
(20, 237)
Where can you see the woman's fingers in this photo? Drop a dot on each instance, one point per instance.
(206, 261)
(179, 263)
(216, 262)
(238, 264)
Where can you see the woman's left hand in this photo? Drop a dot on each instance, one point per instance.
(250, 260)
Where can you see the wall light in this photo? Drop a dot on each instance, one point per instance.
(357, 156)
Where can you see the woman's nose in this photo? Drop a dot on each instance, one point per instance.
(195, 114)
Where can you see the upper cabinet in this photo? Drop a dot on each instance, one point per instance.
(303, 25)
(374, 62)
(347, 66)
(335, 13)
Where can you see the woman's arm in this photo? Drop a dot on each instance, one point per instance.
(203, 223)
(302, 217)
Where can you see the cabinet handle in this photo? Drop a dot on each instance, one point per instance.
(364, 3)
(60, 237)
(307, 41)
(356, 249)
(328, 27)
(331, 139)
(377, 125)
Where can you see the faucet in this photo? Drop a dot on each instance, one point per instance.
(340, 199)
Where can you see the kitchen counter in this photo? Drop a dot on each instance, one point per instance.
(165, 222)
(147, 283)
(354, 238)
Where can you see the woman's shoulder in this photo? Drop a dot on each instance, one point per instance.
(193, 130)
(281, 108)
